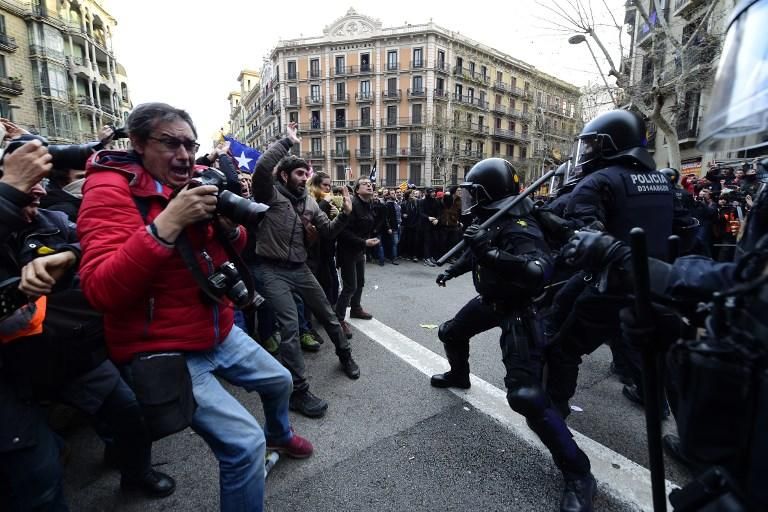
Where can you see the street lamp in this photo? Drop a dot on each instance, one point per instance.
(580, 38)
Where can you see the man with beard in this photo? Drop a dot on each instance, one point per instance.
(294, 221)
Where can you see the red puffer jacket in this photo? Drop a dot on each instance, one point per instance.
(150, 299)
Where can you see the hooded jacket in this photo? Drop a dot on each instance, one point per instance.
(150, 299)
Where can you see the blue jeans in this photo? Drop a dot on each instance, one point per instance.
(229, 429)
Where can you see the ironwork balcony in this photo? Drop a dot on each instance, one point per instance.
(417, 64)
(252, 116)
(86, 101)
(471, 101)
(395, 122)
(364, 154)
(364, 97)
(8, 43)
(510, 135)
(314, 100)
(342, 70)
(517, 91)
(417, 93)
(292, 102)
(343, 124)
(314, 74)
(441, 67)
(393, 95)
(441, 94)
(11, 86)
(416, 152)
(687, 133)
(365, 124)
(499, 108)
(390, 152)
(393, 66)
(291, 77)
(417, 121)
(471, 154)
(313, 155)
(36, 50)
(364, 69)
(340, 154)
(340, 99)
(312, 126)
(517, 114)
(499, 85)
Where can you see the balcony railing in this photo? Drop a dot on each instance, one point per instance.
(391, 152)
(441, 94)
(313, 155)
(417, 64)
(314, 100)
(11, 86)
(510, 134)
(499, 108)
(314, 73)
(342, 70)
(441, 67)
(86, 101)
(252, 116)
(517, 114)
(395, 122)
(343, 124)
(364, 97)
(392, 95)
(365, 69)
(340, 154)
(417, 93)
(499, 85)
(687, 133)
(416, 152)
(292, 102)
(364, 154)
(312, 126)
(365, 124)
(8, 43)
(340, 99)
(517, 91)
(36, 50)
(291, 76)
(470, 100)
(471, 154)
(393, 66)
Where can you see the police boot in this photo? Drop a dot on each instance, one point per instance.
(578, 494)
(458, 375)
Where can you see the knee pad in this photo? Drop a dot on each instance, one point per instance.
(444, 332)
(529, 399)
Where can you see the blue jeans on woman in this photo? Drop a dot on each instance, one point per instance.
(233, 434)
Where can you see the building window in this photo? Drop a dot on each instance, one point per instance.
(440, 59)
(341, 118)
(365, 88)
(391, 115)
(418, 85)
(391, 175)
(510, 149)
(341, 145)
(392, 60)
(391, 86)
(439, 86)
(341, 172)
(314, 92)
(340, 65)
(365, 170)
(470, 94)
(417, 141)
(471, 68)
(293, 95)
(314, 68)
(484, 72)
(523, 153)
(457, 92)
(3, 72)
(315, 120)
(511, 126)
(416, 114)
(316, 145)
(497, 121)
(414, 174)
(497, 148)
(365, 62)
(418, 57)
(391, 143)
(513, 82)
(365, 116)
(292, 73)
(365, 145)
(5, 109)
(480, 148)
(293, 117)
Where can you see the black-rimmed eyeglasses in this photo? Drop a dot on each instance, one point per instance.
(173, 144)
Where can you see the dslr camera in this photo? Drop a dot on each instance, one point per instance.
(237, 208)
(226, 282)
(64, 156)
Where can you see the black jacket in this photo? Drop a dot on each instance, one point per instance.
(362, 223)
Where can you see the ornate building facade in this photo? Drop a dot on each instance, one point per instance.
(420, 103)
(59, 76)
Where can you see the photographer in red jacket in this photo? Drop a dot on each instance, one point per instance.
(133, 270)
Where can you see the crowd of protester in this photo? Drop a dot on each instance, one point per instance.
(130, 230)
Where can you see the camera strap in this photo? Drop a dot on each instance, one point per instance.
(187, 254)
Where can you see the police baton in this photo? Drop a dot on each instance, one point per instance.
(499, 214)
(651, 373)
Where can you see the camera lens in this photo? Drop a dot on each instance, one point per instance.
(238, 209)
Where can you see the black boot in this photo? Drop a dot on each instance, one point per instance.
(578, 494)
(349, 365)
(458, 375)
(153, 483)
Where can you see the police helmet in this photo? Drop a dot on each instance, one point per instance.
(615, 136)
(673, 175)
(738, 107)
(490, 183)
(560, 179)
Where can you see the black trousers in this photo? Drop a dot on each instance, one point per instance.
(522, 354)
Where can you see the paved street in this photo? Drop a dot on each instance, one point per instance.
(391, 442)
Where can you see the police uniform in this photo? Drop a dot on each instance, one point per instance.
(510, 264)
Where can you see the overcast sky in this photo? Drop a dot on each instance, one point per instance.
(188, 55)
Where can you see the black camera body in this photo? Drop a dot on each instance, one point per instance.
(64, 156)
(226, 282)
(237, 208)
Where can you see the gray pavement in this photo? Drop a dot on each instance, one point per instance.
(389, 440)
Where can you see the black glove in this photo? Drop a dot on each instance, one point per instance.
(594, 251)
(442, 278)
(557, 228)
(666, 327)
(478, 239)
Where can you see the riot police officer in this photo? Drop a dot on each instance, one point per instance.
(734, 353)
(685, 225)
(619, 189)
(510, 264)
